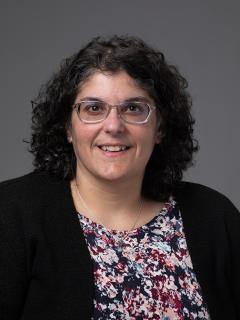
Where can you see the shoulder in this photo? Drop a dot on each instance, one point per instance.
(28, 188)
(197, 190)
(19, 182)
(29, 179)
(210, 219)
(201, 195)
(201, 205)
(29, 201)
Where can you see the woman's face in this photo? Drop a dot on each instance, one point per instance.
(93, 143)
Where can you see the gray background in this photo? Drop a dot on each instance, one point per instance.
(200, 37)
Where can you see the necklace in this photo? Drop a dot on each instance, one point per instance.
(120, 241)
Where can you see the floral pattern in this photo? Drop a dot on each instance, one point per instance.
(150, 277)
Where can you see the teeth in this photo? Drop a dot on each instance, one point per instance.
(113, 148)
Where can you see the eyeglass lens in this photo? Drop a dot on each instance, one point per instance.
(94, 111)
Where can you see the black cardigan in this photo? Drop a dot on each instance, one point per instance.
(45, 267)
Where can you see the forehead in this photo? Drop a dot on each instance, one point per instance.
(111, 86)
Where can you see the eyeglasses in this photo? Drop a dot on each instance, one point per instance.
(134, 112)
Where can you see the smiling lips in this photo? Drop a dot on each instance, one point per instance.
(113, 148)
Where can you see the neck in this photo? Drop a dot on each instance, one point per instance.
(113, 203)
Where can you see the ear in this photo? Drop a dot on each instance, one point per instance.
(158, 137)
(69, 133)
(69, 137)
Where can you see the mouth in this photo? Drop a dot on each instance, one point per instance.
(111, 148)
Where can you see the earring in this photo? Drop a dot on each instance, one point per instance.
(69, 138)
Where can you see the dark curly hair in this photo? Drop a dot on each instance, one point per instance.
(53, 107)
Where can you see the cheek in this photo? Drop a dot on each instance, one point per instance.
(150, 137)
(83, 137)
(147, 143)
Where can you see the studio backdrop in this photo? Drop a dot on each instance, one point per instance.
(200, 37)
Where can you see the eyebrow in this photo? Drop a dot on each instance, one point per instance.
(137, 98)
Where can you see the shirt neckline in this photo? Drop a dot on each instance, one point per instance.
(167, 207)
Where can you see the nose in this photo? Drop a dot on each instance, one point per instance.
(113, 123)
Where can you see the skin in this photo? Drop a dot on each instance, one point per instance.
(111, 181)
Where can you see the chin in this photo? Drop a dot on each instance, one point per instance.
(114, 177)
(120, 176)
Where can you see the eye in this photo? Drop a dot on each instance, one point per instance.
(134, 107)
(93, 107)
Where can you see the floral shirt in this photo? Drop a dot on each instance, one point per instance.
(150, 277)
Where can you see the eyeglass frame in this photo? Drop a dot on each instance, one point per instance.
(110, 107)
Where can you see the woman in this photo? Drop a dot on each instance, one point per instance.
(104, 228)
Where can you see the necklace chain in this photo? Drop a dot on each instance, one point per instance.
(120, 242)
